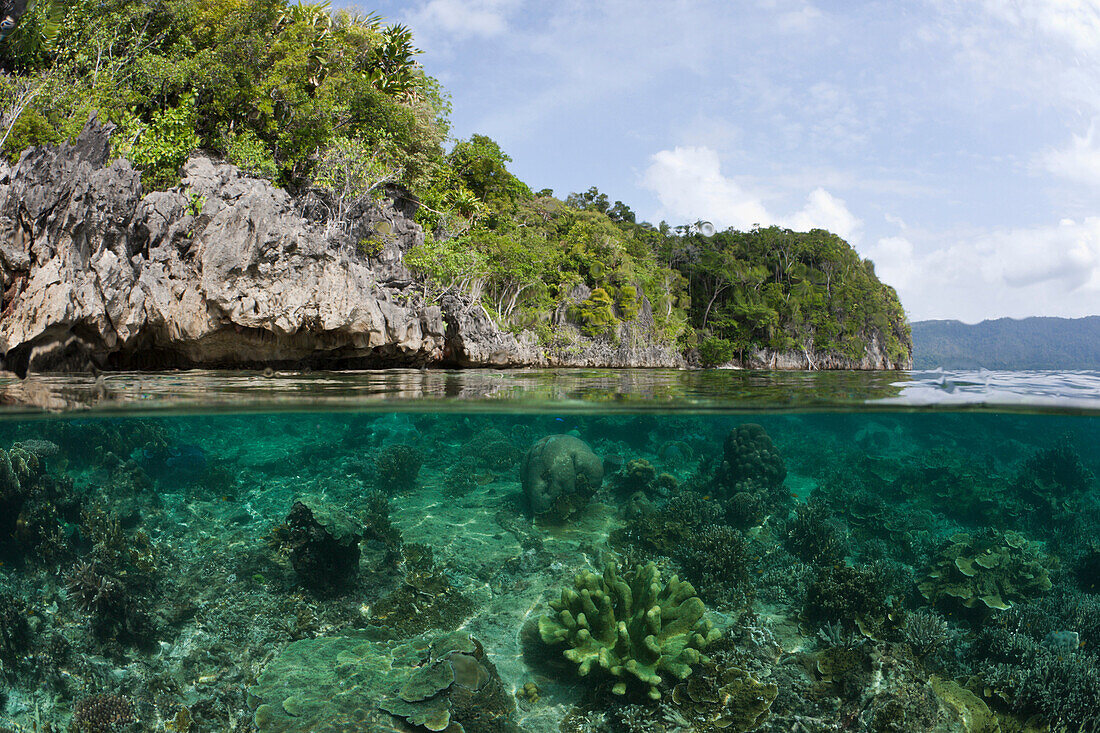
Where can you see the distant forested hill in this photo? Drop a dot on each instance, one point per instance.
(1030, 343)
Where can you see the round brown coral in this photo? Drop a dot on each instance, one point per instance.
(101, 714)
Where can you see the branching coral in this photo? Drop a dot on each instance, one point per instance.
(15, 632)
(631, 627)
(396, 468)
(814, 536)
(855, 597)
(1050, 480)
(714, 558)
(101, 714)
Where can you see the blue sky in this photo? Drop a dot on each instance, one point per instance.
(954, 142)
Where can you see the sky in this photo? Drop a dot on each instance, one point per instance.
(956, 143)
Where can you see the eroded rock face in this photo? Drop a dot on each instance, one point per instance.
(223, 270)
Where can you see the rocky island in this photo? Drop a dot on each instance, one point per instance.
(173, 229)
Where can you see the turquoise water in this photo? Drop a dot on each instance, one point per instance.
(410, 551)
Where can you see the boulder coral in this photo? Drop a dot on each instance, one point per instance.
(632, 627)
(748, 454)
(559, 475)
(749, 478)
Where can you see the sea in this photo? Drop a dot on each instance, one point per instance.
(550, 550)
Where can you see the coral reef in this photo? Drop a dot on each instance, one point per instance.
(425, 600)
(836, 607)
(715, 560)
(35, 504)
(994, 569)
(374, 518)
(115, 582)
(639, 475)
(925, 631)
(728, 699)
(856, 597)
(815, 536)
(1050, 482)
(666, 529)
(633, 627)
(559, 474)
(490, 449)
(1023, 668)
(15, 633)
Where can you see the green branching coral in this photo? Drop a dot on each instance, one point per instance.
(994, 569)
(632, 627)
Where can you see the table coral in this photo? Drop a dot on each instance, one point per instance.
(631, 627)
(359, 683)
(992, 568)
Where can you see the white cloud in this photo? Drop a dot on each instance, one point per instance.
(1080, 162)
(690, 185)
(1047, 271)
(802, 20)
(463, 18)
(893, 258)
(896, 221)
(1074, 22)
(825, 211)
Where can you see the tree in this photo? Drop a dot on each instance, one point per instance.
(349, 174)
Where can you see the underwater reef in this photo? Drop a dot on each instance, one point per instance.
(590, 573)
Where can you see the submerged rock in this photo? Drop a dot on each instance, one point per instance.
(323, 543)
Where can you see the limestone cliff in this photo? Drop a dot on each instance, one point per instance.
(226, 270)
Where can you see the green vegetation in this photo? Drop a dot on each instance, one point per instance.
(335, 103)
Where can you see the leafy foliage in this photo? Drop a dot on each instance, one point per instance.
(785, 290)
(266, 82)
